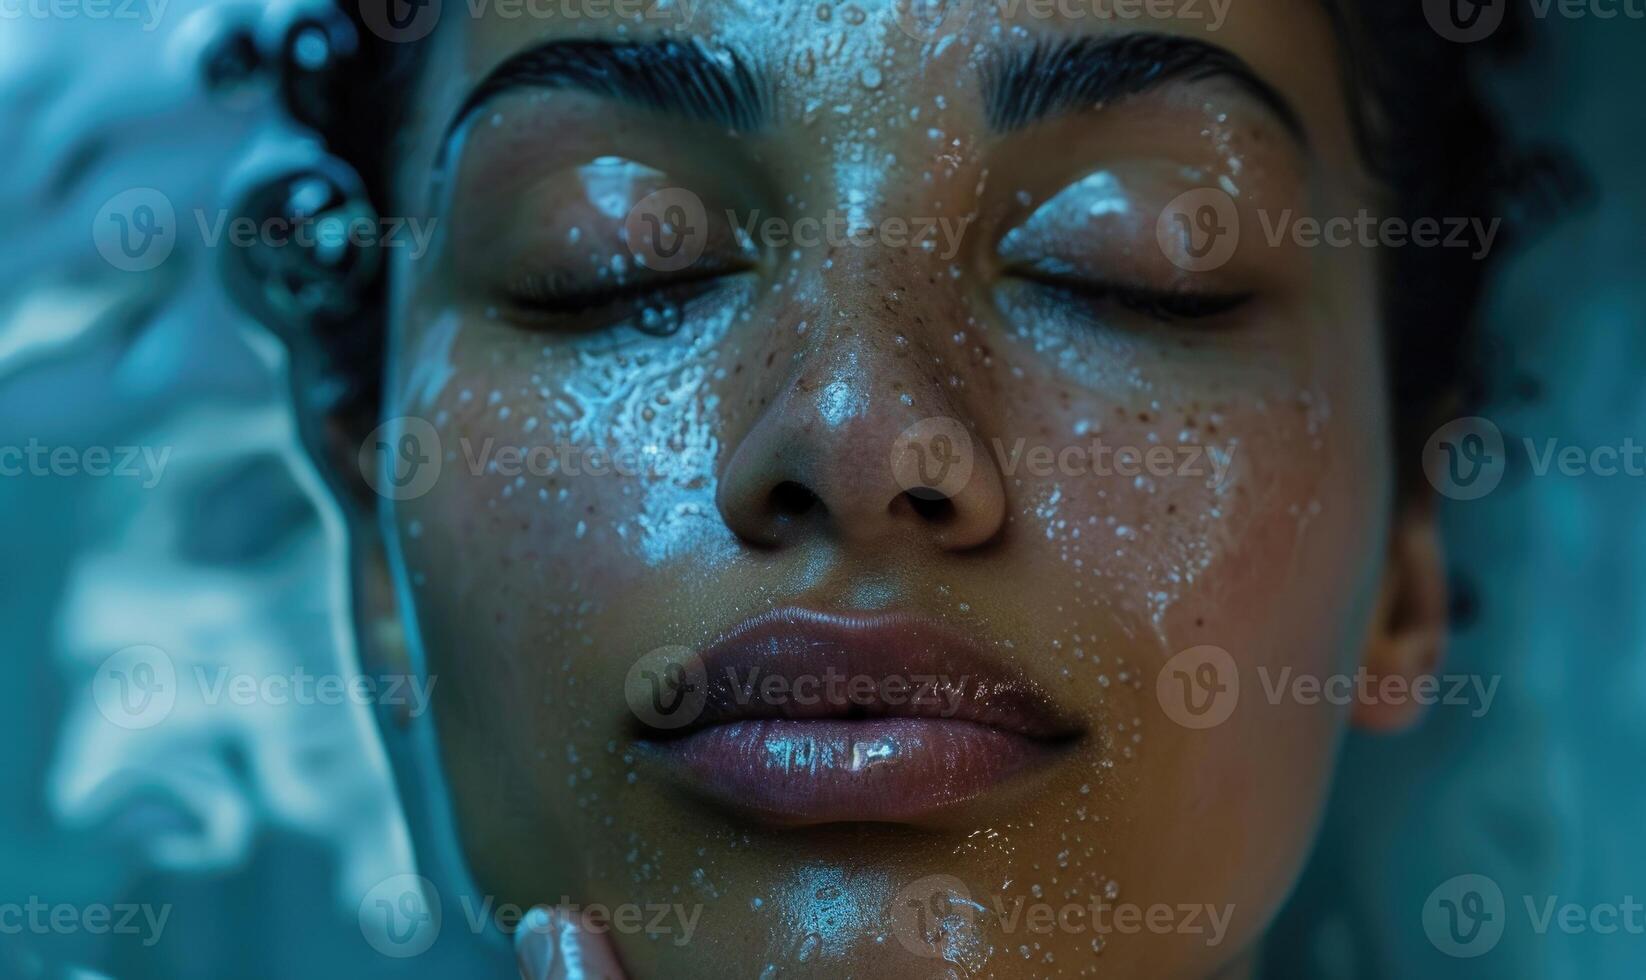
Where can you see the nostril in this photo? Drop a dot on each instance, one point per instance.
(931, 505)
(791, 499)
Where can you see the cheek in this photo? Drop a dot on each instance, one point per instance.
(574, 470)
(1199, 516)
(573, 464)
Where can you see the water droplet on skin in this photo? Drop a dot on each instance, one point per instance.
(871, 78)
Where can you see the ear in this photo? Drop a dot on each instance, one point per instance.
(1408, 630)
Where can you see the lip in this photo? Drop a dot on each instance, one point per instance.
(810, 717)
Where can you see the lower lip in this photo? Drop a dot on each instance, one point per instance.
(815, 771)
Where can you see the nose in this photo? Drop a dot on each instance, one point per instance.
(862, 453)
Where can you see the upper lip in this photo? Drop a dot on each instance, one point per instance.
(797, 663)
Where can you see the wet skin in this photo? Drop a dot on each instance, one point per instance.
(767, 387)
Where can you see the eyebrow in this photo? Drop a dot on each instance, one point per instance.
(681, 78)
(1027, 85)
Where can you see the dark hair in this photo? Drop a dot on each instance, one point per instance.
(1421, 116)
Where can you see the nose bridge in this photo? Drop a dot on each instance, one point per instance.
(862, 387)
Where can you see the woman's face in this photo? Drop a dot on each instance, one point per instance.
(906, 508)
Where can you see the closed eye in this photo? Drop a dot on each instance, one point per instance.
(1157, 304)
(555, 301)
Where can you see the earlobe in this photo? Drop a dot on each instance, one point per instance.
(1408, 630)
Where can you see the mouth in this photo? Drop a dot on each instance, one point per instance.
(802, 717)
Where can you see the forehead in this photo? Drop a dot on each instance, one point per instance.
(866, 56)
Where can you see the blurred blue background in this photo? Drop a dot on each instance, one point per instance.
(266, 835)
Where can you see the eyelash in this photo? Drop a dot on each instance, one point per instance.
(1165, 305)
(555, 296)
(551, 297)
